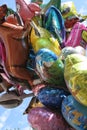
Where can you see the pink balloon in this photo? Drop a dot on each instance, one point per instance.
(42, 118)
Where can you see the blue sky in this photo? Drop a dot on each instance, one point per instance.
(81, 5)
(12, 119)
(9, 3)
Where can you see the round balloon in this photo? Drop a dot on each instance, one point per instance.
(77, 83)
(75, 73)
(52, 97)
(42, 118)
(74, 113)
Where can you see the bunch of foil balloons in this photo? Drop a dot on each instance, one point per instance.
(43, 50)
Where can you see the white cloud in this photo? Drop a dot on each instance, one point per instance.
(4, 117)
(27, 128)
(82, 10)
(27, 1)
(1, 125)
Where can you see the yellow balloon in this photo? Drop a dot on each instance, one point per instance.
(44, 41)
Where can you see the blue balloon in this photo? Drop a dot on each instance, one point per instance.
(74, 113)
(52, 97)
(54, 22)
(44, 58)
